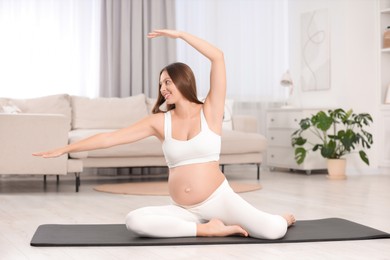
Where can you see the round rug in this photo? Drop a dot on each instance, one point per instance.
(161, 188)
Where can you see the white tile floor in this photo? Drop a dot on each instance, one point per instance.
(25, 204)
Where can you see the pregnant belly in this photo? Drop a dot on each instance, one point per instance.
(192, 184)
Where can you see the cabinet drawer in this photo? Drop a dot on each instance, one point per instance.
(279, 137)
(281, 156)
(284, 157)
(284, 119)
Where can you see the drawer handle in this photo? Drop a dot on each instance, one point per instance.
(272, 156)
(272, 120)
(272, 138)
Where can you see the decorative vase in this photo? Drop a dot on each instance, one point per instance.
(336, 169)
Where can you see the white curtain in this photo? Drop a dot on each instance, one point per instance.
(254, 37)
(49, 47)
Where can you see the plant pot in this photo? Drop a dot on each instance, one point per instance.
(336, 169)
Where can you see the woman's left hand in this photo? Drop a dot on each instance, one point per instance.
(168, 33)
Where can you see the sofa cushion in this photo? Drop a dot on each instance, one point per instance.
(54, 104)
(150, 146)
(236, 142)
(150, 102)
(233, 142)
(107, 113)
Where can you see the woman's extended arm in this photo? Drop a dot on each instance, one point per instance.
(146, 127)
(215, 101)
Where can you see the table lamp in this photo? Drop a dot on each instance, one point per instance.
(286, 81)
(387, 99)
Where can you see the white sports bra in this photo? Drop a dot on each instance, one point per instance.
(204, 147)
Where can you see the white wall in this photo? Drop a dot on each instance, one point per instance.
(353, 57)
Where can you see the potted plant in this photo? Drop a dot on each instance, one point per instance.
(333, 133)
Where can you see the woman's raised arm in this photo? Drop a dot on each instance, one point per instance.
(215, 100)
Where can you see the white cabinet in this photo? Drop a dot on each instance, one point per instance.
(384, 23)
(281, 123)
(384, 80)
(385, 144)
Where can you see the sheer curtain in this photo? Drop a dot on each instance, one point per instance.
(254, 37)
(49, 47)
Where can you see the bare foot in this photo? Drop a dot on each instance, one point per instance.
(290, 219)
(216, 228)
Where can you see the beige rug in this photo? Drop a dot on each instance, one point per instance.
(161, 188)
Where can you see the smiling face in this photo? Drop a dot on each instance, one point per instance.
(168, 89)
(177, 82)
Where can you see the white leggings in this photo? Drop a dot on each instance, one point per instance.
(224, 204)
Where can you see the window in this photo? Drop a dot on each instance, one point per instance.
(49, 47)
(254, 37)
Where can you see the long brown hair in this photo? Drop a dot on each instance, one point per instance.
(184, 80)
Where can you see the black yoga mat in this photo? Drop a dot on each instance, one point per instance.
(331, 229)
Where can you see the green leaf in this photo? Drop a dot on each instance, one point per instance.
(305, 123)
(323, 121)
(340, 114)
(298, 141)
(300, 155)
(348, 139)
(364, 157)
(329, 150)
(369, 139)
(316, 147)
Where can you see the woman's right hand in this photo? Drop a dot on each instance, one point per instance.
(164, 32)
(49, 154)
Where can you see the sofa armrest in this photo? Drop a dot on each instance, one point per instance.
(23, 134)
(245, 123)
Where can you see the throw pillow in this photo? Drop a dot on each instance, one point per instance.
(53, 104)
(228, 115)
(107, 113)
(10, 109)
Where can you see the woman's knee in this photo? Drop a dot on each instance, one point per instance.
(275, 229)
(135, 222)
(278, 232)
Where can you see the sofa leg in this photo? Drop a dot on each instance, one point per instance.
(58, 179)
(44, 182)
(223, 168)
(77, 174)
(258, 171)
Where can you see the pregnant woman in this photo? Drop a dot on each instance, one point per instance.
(203, 203)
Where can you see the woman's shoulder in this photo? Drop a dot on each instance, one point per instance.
(156, 122)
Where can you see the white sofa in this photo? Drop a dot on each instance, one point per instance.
(33, 125)
(43, 123)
